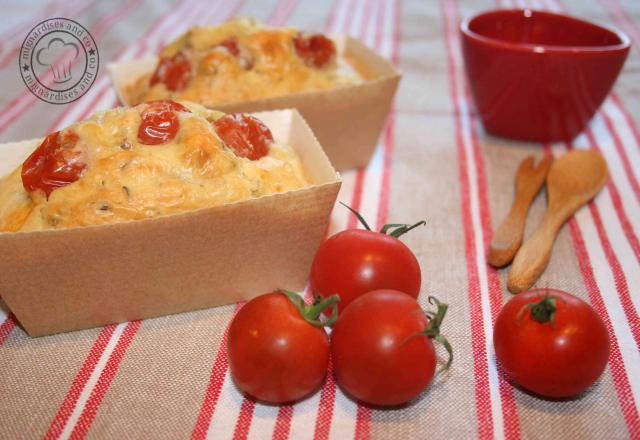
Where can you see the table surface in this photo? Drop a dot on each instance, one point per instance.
(168, 377)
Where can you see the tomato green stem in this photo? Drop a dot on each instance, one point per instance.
(432, 330)
(542, 311)
(358, 215)
(400, 228)
(392, 229)
(312, 313)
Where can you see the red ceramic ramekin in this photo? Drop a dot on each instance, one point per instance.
(539, 76)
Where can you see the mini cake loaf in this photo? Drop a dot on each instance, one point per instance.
(158, 158)
(240, 61)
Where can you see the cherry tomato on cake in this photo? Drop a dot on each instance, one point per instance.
(231, 44)
(278, 350)
(159, 122)
(57, 162)
(245, 135)
(382, 348)
(174, 72)
(356, 261)
(316, 50)
(551, 342)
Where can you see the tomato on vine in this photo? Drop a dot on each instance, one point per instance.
(278, 348)
(356, 261)
(551, 342)
(382, 348)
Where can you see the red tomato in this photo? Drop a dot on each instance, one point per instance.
(245, 135)
(382, 350)
(57, 162)
(551, 342)
(174, 72)
(316, 50)
(278, 350)
(160, 123)
(354, 262)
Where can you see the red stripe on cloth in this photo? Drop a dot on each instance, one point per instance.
(282, 14)
(283, 423)
(511, 420)
(627, 228)
(243, 423)
(10, 57)
(478, 341)
(364, 413)
(26, 99)
(331, 20)
(620, 149)
(627, 117)
(7, 327)
(234, 10)
(325, 407)
(100, 390)
(389, 131)
(212, 393)
(274, 17)
(368, 13)
(618, 275)
(64, 412)
(616, 363)
(363, 423)
(618, 206)
(387, 155)
(509, 407)
(356, 198)
(624, 20)
(16, 30)
(508, 403)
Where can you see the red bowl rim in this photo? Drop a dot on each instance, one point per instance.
(544, 48)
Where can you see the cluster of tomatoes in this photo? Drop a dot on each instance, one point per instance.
(61, 159)
(175, 72)
(547, 341)
(381, 342)
(245, 135)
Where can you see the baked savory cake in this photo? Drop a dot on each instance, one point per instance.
(155, 159)
(242, 60)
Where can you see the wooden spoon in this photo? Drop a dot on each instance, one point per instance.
(508, 237)
(573, 180)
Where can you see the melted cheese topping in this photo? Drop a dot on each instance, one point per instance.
(220, 77)
(127, 180)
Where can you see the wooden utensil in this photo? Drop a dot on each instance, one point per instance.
(508, 237)
(573, 180)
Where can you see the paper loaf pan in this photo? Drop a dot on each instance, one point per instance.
(69, 279)
(347, 120)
